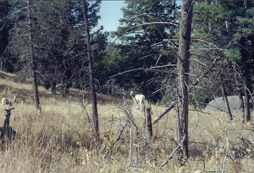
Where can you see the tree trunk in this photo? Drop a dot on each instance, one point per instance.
(91, 71)
(33, 58)
(246, 67)
(226, 103)
(181, 130)
(240, 93)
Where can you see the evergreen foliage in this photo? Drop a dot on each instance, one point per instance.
(59, 40)
(217, 29)
(146, 31)
(145, 41)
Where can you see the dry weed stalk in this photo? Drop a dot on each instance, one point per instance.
(117, 139)
(215, 146)
(173, 152)
(131, 145)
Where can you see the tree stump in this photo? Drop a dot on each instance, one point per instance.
(149, 122)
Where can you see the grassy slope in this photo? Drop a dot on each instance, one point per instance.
(60, 140)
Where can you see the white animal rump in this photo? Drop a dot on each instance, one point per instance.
(138, 99)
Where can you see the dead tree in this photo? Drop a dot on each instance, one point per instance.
(181, 129)
(33, 58)
(173, 104)
(91, 70)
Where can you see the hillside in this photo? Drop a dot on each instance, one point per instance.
(10, 83)
(61, 140)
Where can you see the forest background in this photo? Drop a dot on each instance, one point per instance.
(145, 44)
(176, 58)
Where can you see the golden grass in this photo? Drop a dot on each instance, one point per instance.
(61, 140)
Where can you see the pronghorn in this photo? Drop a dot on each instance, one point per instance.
(139, 99)
(6, 101)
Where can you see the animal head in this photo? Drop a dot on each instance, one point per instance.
(132, 94)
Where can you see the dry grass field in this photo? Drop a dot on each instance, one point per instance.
(61, 140)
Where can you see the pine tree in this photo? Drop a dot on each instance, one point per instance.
(90, 19)
(146, 31)
(5, 25)
(59, 43)
(221, 27)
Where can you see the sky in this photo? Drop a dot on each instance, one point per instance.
(110, 13)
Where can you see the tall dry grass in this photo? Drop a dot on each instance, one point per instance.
(61, 140)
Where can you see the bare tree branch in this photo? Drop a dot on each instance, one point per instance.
(195, 84)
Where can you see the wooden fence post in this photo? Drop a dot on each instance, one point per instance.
(149, 122)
